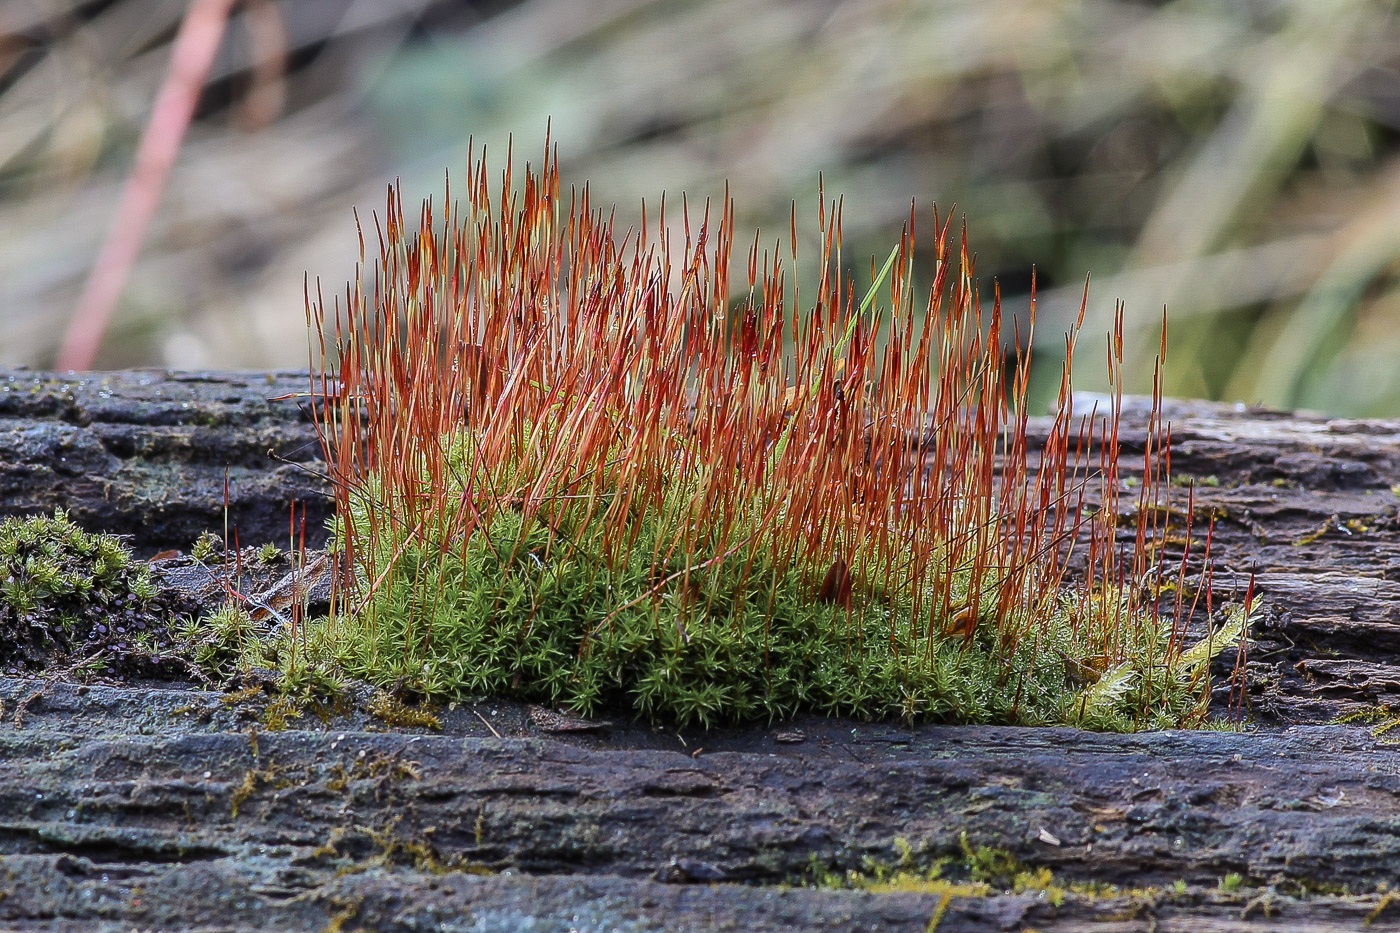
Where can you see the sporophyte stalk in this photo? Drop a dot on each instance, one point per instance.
(575, 465)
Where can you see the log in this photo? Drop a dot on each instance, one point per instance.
(145, 454)
(172, 808)
(169, 807)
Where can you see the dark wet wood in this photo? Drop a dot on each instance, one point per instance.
(146, 453)
(146, 806)
(1310, 505)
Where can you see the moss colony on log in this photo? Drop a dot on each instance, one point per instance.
(571, 468)
(68, 596)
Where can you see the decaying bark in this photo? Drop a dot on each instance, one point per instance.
(146, 453)
(172, 808)
(127, 807)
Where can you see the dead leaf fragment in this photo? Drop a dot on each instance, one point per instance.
(548, 720)
(836, 587)
(962, 622)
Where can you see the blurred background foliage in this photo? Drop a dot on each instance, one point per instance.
(1234, 161)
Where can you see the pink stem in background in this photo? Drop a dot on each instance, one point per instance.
(196, 44)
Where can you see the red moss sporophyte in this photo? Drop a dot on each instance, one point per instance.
(575, 464)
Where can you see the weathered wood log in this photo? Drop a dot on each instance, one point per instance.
(146, 453)
(145, 808)
(123, 806)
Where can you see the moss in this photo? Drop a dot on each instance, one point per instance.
(395, 847)
(240, 696)
(343, 913)
(1382, 719)
(703, 511)
(280, 712)
(543, 614)
(328, 707)
(375, 767)
(67, 592)
(394, 712)
(973, 871)
(1384, 903)
(249, 786)
(1185, 479)
(268, 554)
(207, 546)
(227, 643)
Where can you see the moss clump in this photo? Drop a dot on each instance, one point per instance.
(584, 474)
(280, 712)
(226, 643)
(229, 647)
(66, 592)
(207, 547)
(516, 614)
(974, 871)
(395, 712)
(540, 610)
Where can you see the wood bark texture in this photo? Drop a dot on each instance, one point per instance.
(169, 807)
